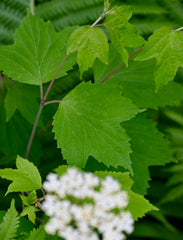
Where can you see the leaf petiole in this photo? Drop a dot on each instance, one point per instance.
(42, 103)
(178, 29)
(98, 19)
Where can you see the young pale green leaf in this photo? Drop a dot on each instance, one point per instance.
(37, 52)
(25, 178)
(61, 169)
(138, 205)
(37, 234)
(106, 5)
(167, 47)
(149, 148)
(121, 32)
(24, 98)
(31, 212)
(30, 199)
(87, 122)
(90, 43)
(9, 226)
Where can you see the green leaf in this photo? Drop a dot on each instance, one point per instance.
(25, 178)
(37, 52)
(173, 194)
(15, 136)
(87, 122)
(37, 234)
(138, 205)
(8, 227)
(106, 5)
(61, 169)
(31, 212)
(149, 148)
(30, 199)
(24, 98)
(167, 47)
(90, 43)
(24, 229)
(151, 229)
(121, 32)
(138, 82)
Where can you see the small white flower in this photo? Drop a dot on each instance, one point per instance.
(73, 217)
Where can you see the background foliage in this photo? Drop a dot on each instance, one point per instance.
(166, 188)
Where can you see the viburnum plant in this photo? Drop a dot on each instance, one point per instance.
(101, 121)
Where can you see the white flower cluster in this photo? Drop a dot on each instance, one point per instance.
(82, 206)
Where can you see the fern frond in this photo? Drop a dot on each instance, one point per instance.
(10, 223)
(9, 17)
(6, 35)
(70, 12)
(175, 9)
(11, 14)
(20, 5)
(84, 16)
(149, 7)
(150, 24)
(37, 234)
(153, 14)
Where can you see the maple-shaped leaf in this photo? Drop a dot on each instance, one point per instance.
(122, 33)
(149, 149)
(138, 205)
(22, 97)
(87, 123)
(25, 178)
(138, 82)
(36, 53)
(30, 211)
(30, 199)
(167, 47)
(90, 43)
(9, 226)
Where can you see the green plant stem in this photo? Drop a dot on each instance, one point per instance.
(33, 131)
(32, 7)
(120, 65)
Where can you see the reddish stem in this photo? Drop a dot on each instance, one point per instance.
(43, 99)
(120, 65)
(53, 101)
(52, 81)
